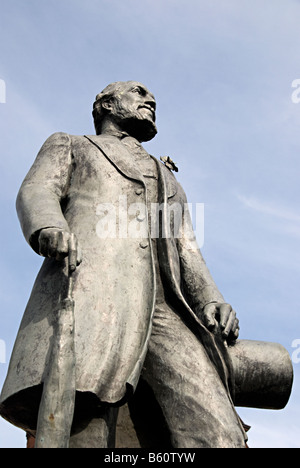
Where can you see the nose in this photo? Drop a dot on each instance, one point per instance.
(152, 105)
(151, 102)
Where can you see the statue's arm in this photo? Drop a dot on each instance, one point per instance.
(45, 186)
(199, 287)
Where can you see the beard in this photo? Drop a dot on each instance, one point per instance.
(137, 123)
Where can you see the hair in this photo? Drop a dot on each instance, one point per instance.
(108, 93)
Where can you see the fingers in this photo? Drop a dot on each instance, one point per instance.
(58, 244)
(228, 321)
(54, 243)
(225, 311)
(209, 315)
(225, 316)
(235, 330)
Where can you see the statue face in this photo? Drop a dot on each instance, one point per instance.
(133, 108)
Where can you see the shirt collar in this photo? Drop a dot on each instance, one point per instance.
(117, 133)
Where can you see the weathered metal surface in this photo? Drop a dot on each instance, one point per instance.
(68, 189)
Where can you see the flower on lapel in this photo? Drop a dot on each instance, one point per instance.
(169, 163)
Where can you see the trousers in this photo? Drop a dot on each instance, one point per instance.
(183, 389)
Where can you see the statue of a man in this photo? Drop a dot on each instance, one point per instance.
(146, 307)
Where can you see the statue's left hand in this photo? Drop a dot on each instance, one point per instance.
(219, 316)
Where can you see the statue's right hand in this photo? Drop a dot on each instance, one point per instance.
(57, 243)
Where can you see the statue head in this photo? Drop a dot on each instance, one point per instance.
(128, 105)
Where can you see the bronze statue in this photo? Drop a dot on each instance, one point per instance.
(149, 321)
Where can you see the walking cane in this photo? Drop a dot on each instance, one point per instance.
(58, 398)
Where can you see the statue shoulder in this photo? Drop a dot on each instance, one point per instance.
(58, 138)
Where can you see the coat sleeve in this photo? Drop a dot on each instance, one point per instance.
(198, 285)
(46, 184)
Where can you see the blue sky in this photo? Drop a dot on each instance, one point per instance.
(222, 73)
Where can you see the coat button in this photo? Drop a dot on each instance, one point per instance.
(139, 191)
(141, 217)
(144, 244)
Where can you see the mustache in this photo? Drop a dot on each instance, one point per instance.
(150, 108)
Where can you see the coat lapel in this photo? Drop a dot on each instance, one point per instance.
(168, 181)
(121, 158)
(117, 154)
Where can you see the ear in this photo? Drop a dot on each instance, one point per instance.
(107, 105)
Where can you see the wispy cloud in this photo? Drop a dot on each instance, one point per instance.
(269, 208)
